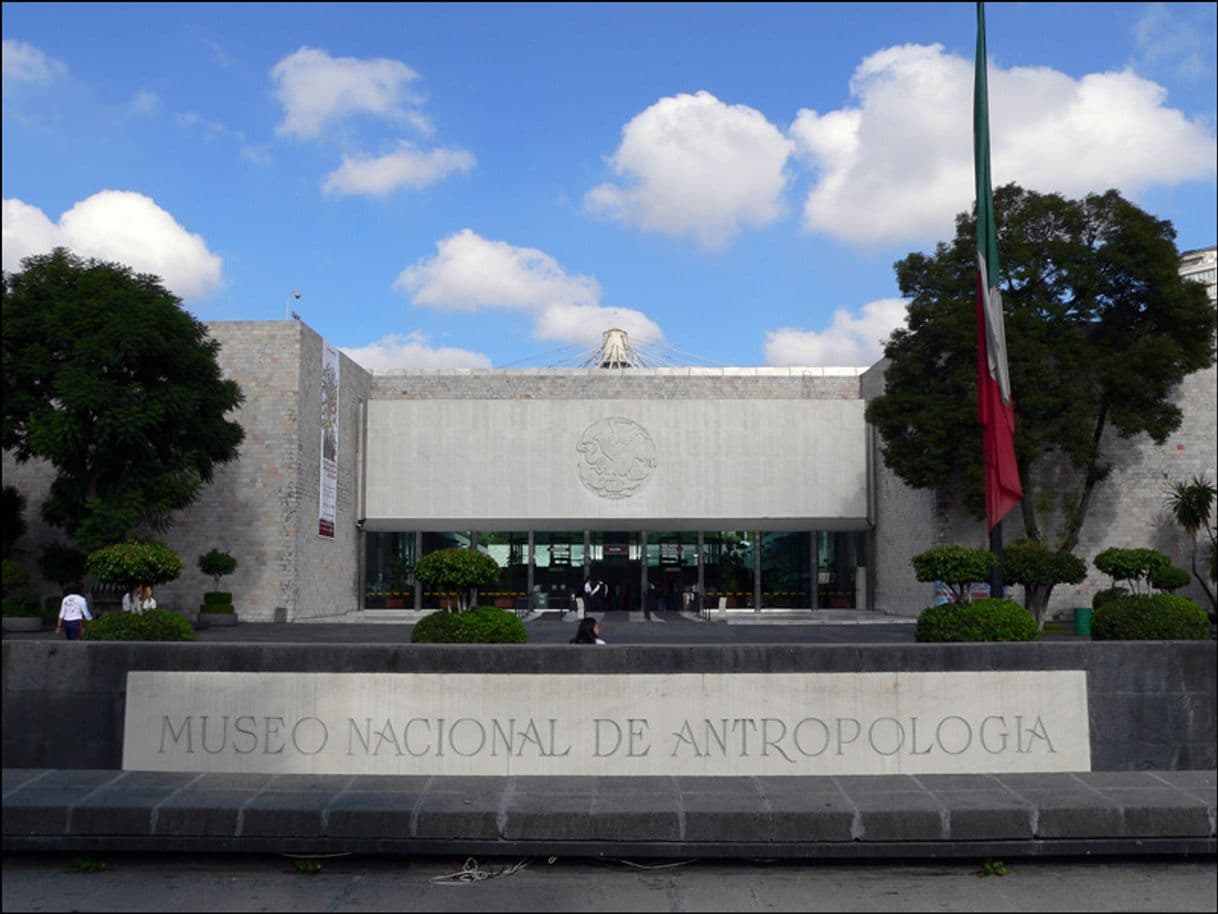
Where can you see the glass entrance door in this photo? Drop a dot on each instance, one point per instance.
(616, 560)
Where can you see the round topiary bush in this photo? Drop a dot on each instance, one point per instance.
(149, 625)
(1155, 617)
(490, 625)
(481, 625)
(1107, 596)
(23, 602)
(441, 627)
(991, 619)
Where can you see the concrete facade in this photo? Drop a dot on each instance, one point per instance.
(768, 449)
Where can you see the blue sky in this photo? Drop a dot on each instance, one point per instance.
(472, 185)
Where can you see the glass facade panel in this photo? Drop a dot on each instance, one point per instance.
(786, 570)
(729, 567)
(511, 551)
(558, 573)
(433, 542)
(840, 560)
(389, 571)
(672, 570)
(616, 559)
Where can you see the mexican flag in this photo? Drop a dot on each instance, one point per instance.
(995, 411)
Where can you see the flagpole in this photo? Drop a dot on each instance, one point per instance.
(995, 410)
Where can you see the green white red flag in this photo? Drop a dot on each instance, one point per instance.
(995, 411)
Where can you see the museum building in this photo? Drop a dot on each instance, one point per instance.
(683, 489)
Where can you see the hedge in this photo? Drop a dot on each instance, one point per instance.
(1153, 617)
(990, 619)
(149, 625)
(481, 625)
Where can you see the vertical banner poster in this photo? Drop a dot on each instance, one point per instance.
(327, 509)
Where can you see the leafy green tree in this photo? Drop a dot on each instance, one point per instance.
(216, 564)
(111, 381)
(959, 567)
(1191, 505)
(134, 563)
(62, 564)
(1100, 330)
(1039, 570)
(12, 504)
(457, 570)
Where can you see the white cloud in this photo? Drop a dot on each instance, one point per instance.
(696, 166)
(472, 273)
(317, 90)
(115, 225)
(24, 63)
(899, 166)
(850, 341)
(144, 102)
(412, 351)
(1165, 38)
(406, 167)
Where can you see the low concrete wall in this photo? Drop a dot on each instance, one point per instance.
(1151, 704)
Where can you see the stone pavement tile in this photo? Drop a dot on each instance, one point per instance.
(724, 809)
(361, 813)
(986, 815)
(36, 811)
(461, 808)
(117, 810)
(14, 778)
(201, 812)
(1161, 813)
(898, 815)
(215, 780)
(809, 809)
(626, 813)
(1079, 812)
(534, 814)
(286, 814)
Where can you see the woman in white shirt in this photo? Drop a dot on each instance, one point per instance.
(73, 611)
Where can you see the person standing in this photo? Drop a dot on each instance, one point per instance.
(73, 611)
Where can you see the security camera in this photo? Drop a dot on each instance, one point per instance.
(296, 292)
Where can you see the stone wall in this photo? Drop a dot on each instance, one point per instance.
(1127, 509)
(262, 507)
(1151, 705)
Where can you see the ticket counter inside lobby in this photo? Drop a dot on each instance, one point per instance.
(647, 570)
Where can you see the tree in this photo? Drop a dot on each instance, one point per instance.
(12, 513)
(1039, 570)
(111, 381)
(1191, 505)
(457, 570)
(959, 567)
(1100, 330)
(134, 563)
(216, 564)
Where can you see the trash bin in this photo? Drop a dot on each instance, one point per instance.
(541, 600)
(1082, 621)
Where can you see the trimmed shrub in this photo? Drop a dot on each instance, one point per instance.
(23, 601)
(217, 596)
(135, 563)
(456, 570)
(440, 627)
(991, 619)
(1168, 578)
(150, 625)
(959, 567)
(217, 564)
(481, 625)
(491, 625)
(1133, 566)
(1154, 617)
(1107, 596)
(13, 575)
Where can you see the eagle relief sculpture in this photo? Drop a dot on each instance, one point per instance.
(616, 457)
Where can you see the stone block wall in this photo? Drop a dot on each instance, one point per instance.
(1127, 509)
(261, 508)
